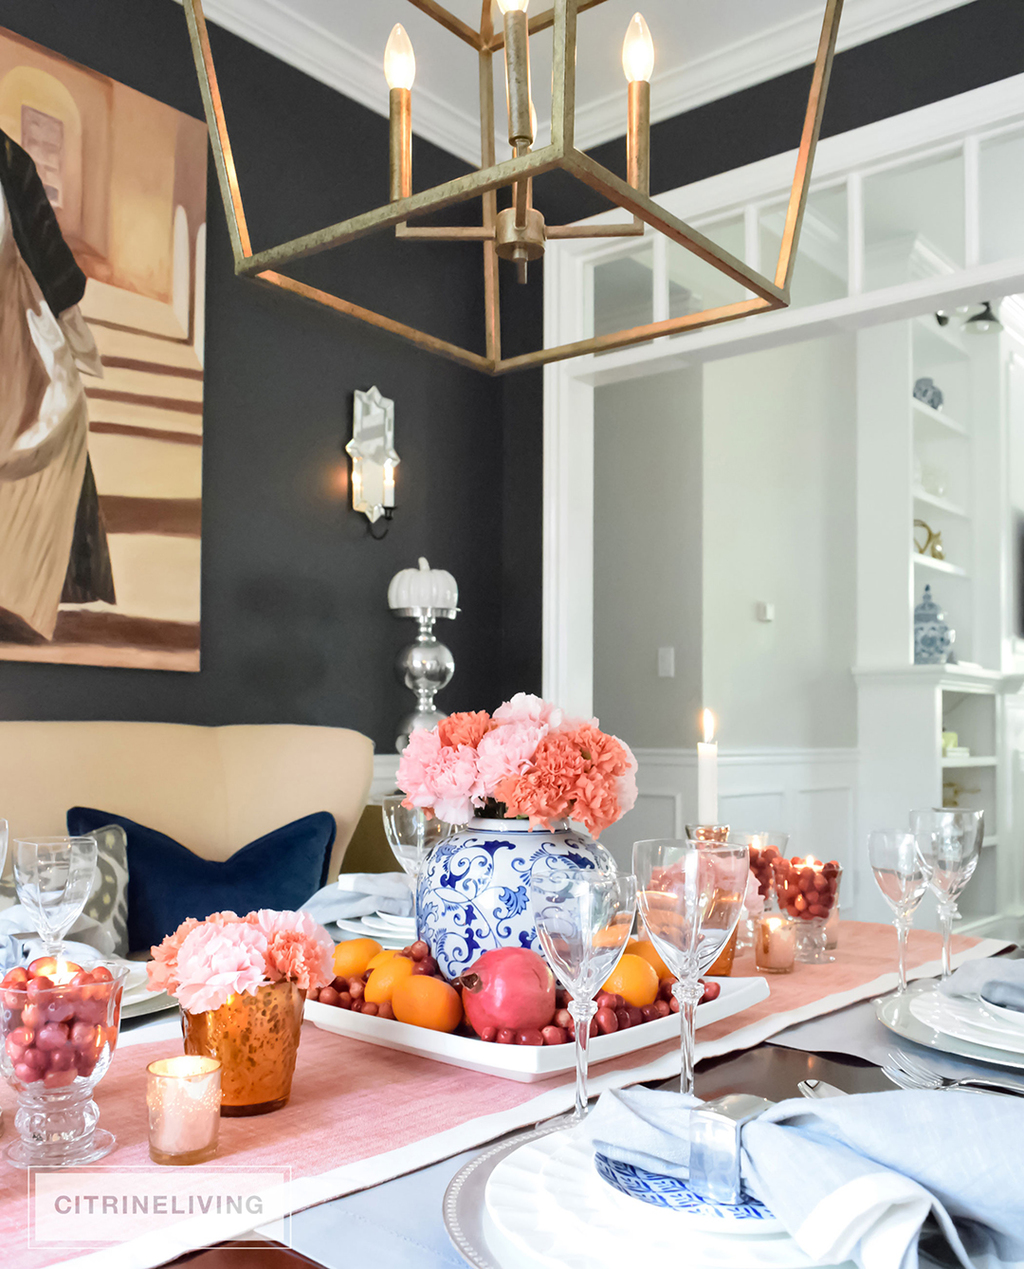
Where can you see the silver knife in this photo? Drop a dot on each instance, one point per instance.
(818, 1088)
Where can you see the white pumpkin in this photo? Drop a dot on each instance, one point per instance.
(423, 587)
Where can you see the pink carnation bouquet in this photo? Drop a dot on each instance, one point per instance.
(204, 963)
(524, 761)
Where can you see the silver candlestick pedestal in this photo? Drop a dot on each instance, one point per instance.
(425, 667)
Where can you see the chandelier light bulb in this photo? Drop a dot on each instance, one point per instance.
(513, 6)
(637, 50)
(399, 59)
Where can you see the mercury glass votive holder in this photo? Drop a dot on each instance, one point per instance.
(707, 832)
(183, 1099)
(774, 944)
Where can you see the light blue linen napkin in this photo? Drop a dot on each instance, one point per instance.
(357, 894)
(855, 1178)
(998, 980)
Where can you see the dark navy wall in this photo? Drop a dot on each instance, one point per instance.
(295, 624)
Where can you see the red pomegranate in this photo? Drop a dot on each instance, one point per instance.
(508, 987)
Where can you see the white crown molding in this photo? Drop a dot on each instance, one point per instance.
(754, 60)
(278, 29)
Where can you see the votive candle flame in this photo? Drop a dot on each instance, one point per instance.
(775, 944)
(707, 773)
(183, 1099)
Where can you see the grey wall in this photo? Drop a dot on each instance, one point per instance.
(647, 557)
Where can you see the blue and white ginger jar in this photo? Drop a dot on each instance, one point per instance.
(474, 893)
(933, 639)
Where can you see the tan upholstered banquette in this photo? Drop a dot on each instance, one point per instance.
(211, 788)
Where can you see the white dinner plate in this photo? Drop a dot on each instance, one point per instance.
(895, 1013)
(545, 1205)
(390, 929)
(1013, 1019)
(389, 918)
(528, 1063)
(358, 930)
(965, 1019)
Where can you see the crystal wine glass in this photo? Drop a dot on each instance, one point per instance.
(949, 842)
(54, 877)
(583, 919)
(690, 895)
(412, 836)
(902, 876)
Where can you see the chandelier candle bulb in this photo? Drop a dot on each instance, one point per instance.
(517, 73)
(183, 1100)
(400, 72)
(707, 773)
(775, 944)
(638, 65)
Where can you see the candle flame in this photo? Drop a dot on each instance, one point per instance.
(709, 726)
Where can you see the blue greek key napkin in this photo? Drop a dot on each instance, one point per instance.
(855, 1178)
(357, 894)
(999, 981)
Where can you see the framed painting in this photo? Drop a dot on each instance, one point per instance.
(102, 295)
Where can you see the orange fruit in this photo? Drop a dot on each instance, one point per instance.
(634, 979)
(427, 1002)
(352, 957)
(646, 949)
(380, 958)
(385, 978)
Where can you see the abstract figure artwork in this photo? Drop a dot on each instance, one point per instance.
(102, 291)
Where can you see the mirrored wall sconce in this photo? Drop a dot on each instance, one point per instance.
(374, 459)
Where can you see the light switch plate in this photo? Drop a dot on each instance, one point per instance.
(666, 663)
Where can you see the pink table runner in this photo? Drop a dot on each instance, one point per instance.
(360, 1114)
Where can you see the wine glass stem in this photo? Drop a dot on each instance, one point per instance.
(688, 992)
(947, 913)
(902, 930)
(582, 1011)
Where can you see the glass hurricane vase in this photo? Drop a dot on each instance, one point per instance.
(58, 1039)
(256, 1037)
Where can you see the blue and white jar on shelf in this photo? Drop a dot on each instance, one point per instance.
(933, 638)
(474, 891)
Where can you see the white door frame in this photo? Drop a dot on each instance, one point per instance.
(568, 602)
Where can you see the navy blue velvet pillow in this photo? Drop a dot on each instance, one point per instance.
(167, 882)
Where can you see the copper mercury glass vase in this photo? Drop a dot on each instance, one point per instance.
(256, 1037)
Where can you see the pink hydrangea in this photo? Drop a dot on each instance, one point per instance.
(218, 961)
(627, 791)
(507, 751)
(298, 947)
(162, 970)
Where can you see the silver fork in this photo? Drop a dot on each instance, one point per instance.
(907, 1072)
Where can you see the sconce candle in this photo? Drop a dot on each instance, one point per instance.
(774, 944)
(707, 773)
(183, 1098)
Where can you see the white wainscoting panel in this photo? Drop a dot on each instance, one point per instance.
(808, 793)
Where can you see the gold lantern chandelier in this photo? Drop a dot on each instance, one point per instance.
(518, 233)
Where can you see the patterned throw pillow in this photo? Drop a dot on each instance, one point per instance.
(108, 900)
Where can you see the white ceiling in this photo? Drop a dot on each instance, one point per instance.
(705, 49)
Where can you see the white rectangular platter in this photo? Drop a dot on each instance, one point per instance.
(524, 1062)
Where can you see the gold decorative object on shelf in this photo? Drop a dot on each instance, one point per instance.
(933, 542)
(519, 232)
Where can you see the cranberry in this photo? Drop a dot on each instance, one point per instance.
(54, 1035)
(555, 1035)
(529, 1036)
(328, 996)
(419, 950)
(344, 1000)
(370, 1008)
(385, 1010)
(490, 1034)
(607, 1022)
(506, 1036)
